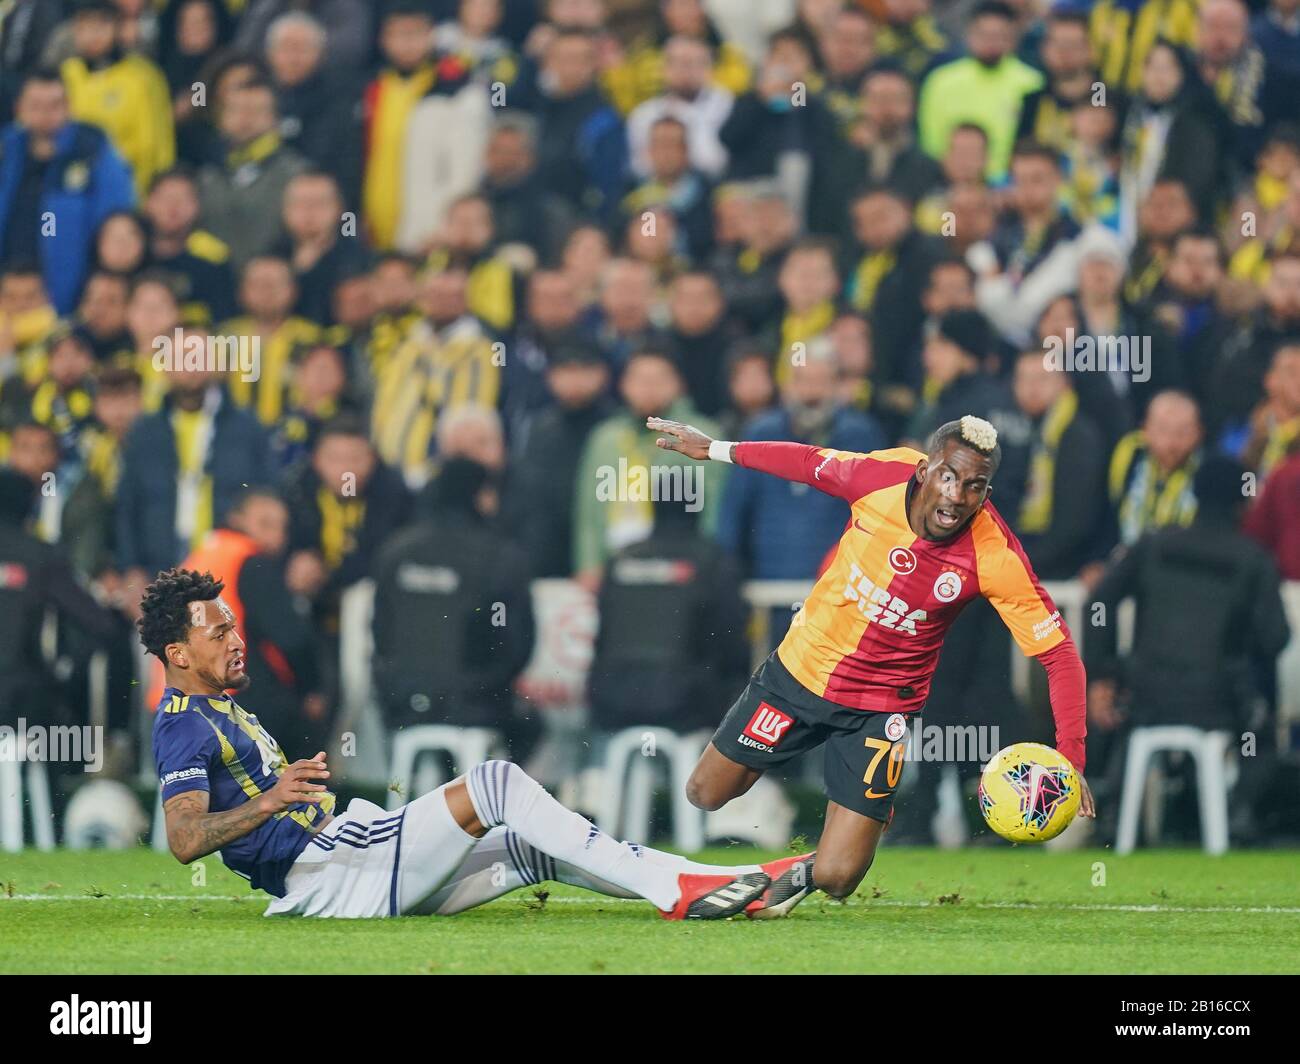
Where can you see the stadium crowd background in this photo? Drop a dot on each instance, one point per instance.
(478, 242)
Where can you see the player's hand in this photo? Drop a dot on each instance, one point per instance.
(1087, 807)
(294, 785)
(684, 439)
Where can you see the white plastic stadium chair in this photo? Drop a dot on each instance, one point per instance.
(466, 746)
(629, 774)
(11, 805)
(1210, 750)
(158, 837)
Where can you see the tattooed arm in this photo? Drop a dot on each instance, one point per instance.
(193, 832)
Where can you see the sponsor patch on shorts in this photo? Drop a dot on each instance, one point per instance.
(766, 727)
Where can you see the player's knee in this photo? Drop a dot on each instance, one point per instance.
(489, 783)
(837, 877)
(705, 794)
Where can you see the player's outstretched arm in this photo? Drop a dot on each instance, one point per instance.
(193, 832)
(833, 472)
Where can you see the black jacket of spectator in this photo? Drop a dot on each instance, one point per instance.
(320, 119)
(756, 135)
(453, 623)
(896, 313)
(145, 516)
(281, 651)
(911, 171)
(1198, 331)
(1242, 364)
(1208, 602)
(34, 577)
(543, 482)
(753, 295)
(346, 258)
(205, 287)
(1111, 412)
(671, 646)
(1196, 147)
(582, 151)
(524, 391)
(388, 507)
(526, 213)
(703, 360)
(1078, 504)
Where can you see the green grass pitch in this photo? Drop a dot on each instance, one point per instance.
(1017, 910)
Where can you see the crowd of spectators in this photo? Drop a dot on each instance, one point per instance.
(475, 243)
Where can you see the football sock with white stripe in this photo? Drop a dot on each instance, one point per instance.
(503, 793)
(494, 867)
(502, 862)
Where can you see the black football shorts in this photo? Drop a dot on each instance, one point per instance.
(776, 718)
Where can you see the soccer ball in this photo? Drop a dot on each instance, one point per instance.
(1029, 792)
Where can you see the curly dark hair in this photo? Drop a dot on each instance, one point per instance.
(165, 614)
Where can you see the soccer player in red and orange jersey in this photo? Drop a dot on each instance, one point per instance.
(922, 541)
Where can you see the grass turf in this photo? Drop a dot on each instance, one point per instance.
(983, 910)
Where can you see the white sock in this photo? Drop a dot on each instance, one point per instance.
(685, 866)
(503, 793)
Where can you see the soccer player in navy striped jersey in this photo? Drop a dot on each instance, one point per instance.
(227, 786)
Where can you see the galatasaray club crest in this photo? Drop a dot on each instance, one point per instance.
(947, 587)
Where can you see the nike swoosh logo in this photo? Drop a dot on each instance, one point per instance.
(861, 529)
(873, 794)
(1036, 775)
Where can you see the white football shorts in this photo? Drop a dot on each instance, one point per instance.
(376, 862)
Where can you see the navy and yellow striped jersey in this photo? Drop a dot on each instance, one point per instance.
(201, 743)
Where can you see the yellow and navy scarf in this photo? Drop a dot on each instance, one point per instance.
(257, 150)
(800, 329)
(1146, 500)
(1123, 32)
(1281, 441)
(490, 290)
(432, 371)
(1036, 508)
(340, 523)
(194, 431)
(872, 269)
(103, 460)
(63, 412)
(266, 395)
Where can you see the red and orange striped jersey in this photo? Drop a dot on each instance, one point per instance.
(869, 634)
